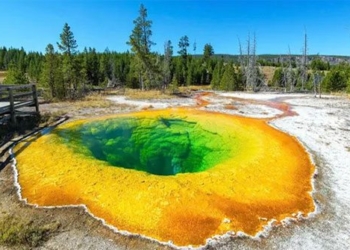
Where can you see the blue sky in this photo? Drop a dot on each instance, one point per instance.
(108, 23)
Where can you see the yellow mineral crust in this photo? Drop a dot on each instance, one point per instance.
(269, 178)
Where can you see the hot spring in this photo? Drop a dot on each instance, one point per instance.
(179, 175)
(160, 146)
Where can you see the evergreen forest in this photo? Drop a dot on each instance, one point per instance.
(65, 70)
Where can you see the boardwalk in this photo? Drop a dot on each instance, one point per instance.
(13, 97)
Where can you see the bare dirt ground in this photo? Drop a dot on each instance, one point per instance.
(322, 125)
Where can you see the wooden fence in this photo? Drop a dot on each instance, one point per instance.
(13, 97)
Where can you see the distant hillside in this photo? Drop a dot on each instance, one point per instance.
(331, 59)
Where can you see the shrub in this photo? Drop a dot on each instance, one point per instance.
(335, 81)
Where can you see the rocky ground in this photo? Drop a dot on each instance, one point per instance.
(322, 125)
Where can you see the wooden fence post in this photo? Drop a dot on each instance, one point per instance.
(35, 98)
(12, 107)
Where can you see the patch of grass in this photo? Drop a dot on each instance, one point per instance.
(149, 94)
(93, 100)
(114, 91)
(15, 231)
(341, 94)
(268, 72)
(138, 94)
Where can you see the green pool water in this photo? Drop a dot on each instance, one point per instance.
(160, 146)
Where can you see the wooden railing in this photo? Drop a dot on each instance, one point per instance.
(13, 97)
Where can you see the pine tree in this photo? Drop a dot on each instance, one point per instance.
(168, 53)
(189, 74)
(183, 45)
(179, 70)
(228, 79)
(15, 75)
(21, 60)
(3, 51)
(183, 76)
(68, 46)
(105, 69)
(91, 66)
(208, 51)
(174, 85)
(122, 67)
(51, 76)
(217, 75)
(140, 42)
(34, 65)
(278, 78)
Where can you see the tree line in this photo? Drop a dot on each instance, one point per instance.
(67, 72)
(318, 75)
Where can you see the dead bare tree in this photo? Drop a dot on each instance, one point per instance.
(303, 63)
(111, 77)
(284, 74)
(241, 57)
(248, 64)
(317, 83)
(290, 78)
